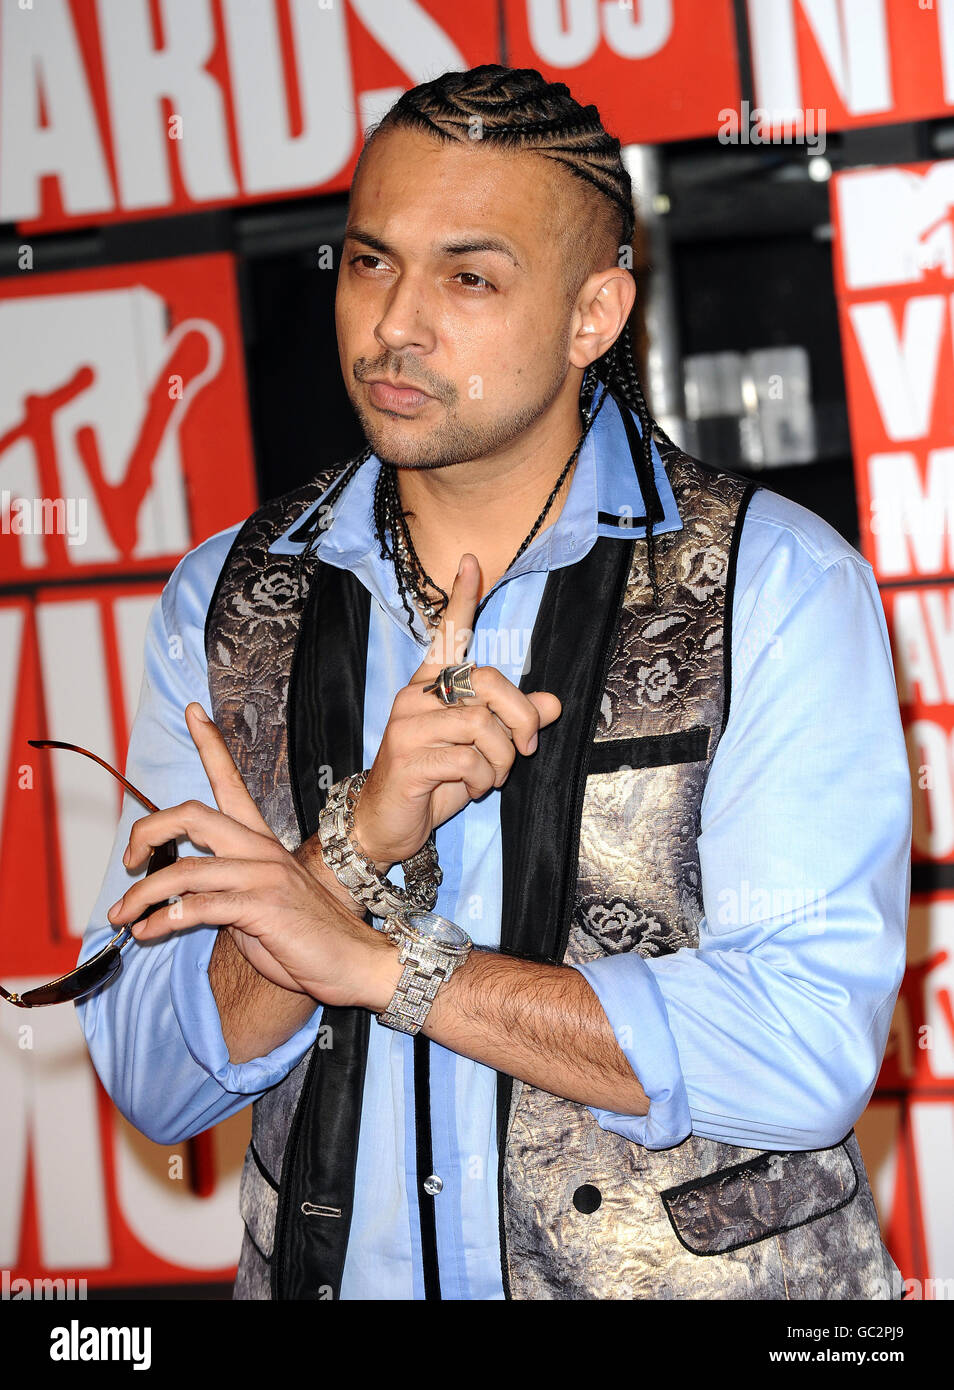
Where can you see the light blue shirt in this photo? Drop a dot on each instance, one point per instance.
(769, 1035)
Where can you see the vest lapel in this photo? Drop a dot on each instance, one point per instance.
(326, 732)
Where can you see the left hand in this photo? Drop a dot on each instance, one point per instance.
(434, 759)
(287, 924)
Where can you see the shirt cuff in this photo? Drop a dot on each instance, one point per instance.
(198, 1016)
(634, 1005)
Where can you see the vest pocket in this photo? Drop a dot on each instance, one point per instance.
(653, 750)
(770, 1194)
(258, 1203)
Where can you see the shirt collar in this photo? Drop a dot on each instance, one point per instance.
(604, 499)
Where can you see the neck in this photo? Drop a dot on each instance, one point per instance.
(488, 506)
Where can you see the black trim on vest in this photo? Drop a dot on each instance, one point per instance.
(625, 523)
(731, 567)
(541, 803)
(307, 530)
(654, 506)
(312, 526)
(257, 1157)
(762, 1163)
(652, 750)
(325, 731)
(425, 1167)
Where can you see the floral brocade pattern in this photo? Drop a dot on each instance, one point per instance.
(250, 642)
(639, 886)
(666, 672)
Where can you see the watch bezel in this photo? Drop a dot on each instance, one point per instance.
(399, 926)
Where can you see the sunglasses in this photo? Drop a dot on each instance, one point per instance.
(108, 962)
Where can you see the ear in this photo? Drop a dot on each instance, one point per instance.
(603, 306)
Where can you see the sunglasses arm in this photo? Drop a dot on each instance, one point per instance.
(84, 976)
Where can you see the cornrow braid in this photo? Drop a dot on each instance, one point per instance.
(516, 108)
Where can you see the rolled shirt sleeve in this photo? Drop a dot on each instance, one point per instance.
(154, 1033)
(771, 1033)
(635, 1006)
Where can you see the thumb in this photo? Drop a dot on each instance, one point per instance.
(230, 792)
(451, 640)
(548, 706)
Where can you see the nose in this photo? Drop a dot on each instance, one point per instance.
(405, 321)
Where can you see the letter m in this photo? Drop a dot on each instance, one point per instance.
(912, 522)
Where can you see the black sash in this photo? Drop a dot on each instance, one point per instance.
(572, 644)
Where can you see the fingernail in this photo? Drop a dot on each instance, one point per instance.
(200, 712)
(115, 908)
(460, 567)
(126, 856)
(533, 744)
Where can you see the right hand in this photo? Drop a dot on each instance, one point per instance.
(433, 758)
(296, 932)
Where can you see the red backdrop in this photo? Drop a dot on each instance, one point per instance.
(894, 270)
(126, 403)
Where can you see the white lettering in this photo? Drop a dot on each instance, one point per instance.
(910, 521)
(272, 159)
(902, 370)
(138, 76)
(41, 71)
(852, 37)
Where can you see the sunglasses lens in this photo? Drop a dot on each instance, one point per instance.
(108, 962)
(162, 856)
(96, 971)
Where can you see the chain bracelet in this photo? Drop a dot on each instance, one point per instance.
(351, 867)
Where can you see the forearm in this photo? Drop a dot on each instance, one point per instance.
(256, 1015)
(542, 1024)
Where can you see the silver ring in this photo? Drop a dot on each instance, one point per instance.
(453, 684)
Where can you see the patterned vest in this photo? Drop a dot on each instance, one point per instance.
(599, 835)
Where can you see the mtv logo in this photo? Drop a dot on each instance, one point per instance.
(91, 405)
(897, 225)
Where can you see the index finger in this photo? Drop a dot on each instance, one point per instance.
(230, 792)
(450, 641)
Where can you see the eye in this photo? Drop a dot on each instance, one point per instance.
(365, 256)
(472, 275)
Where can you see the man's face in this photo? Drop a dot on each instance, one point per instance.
(424, 298)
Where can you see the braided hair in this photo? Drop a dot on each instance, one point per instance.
(517, 108)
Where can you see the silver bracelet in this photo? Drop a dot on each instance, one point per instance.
(352, 867)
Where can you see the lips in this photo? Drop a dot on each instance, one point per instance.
(396, 396)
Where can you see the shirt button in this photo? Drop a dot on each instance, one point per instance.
(433, 1185)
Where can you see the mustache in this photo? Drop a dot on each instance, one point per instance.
(365, 367)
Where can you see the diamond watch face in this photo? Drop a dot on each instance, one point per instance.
(438, 930)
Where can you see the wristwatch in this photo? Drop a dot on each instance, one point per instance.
(432, 947)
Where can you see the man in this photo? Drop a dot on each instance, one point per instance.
(688, 909)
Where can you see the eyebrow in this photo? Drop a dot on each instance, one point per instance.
(466, 247)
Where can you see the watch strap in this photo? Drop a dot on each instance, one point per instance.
(425, 969)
